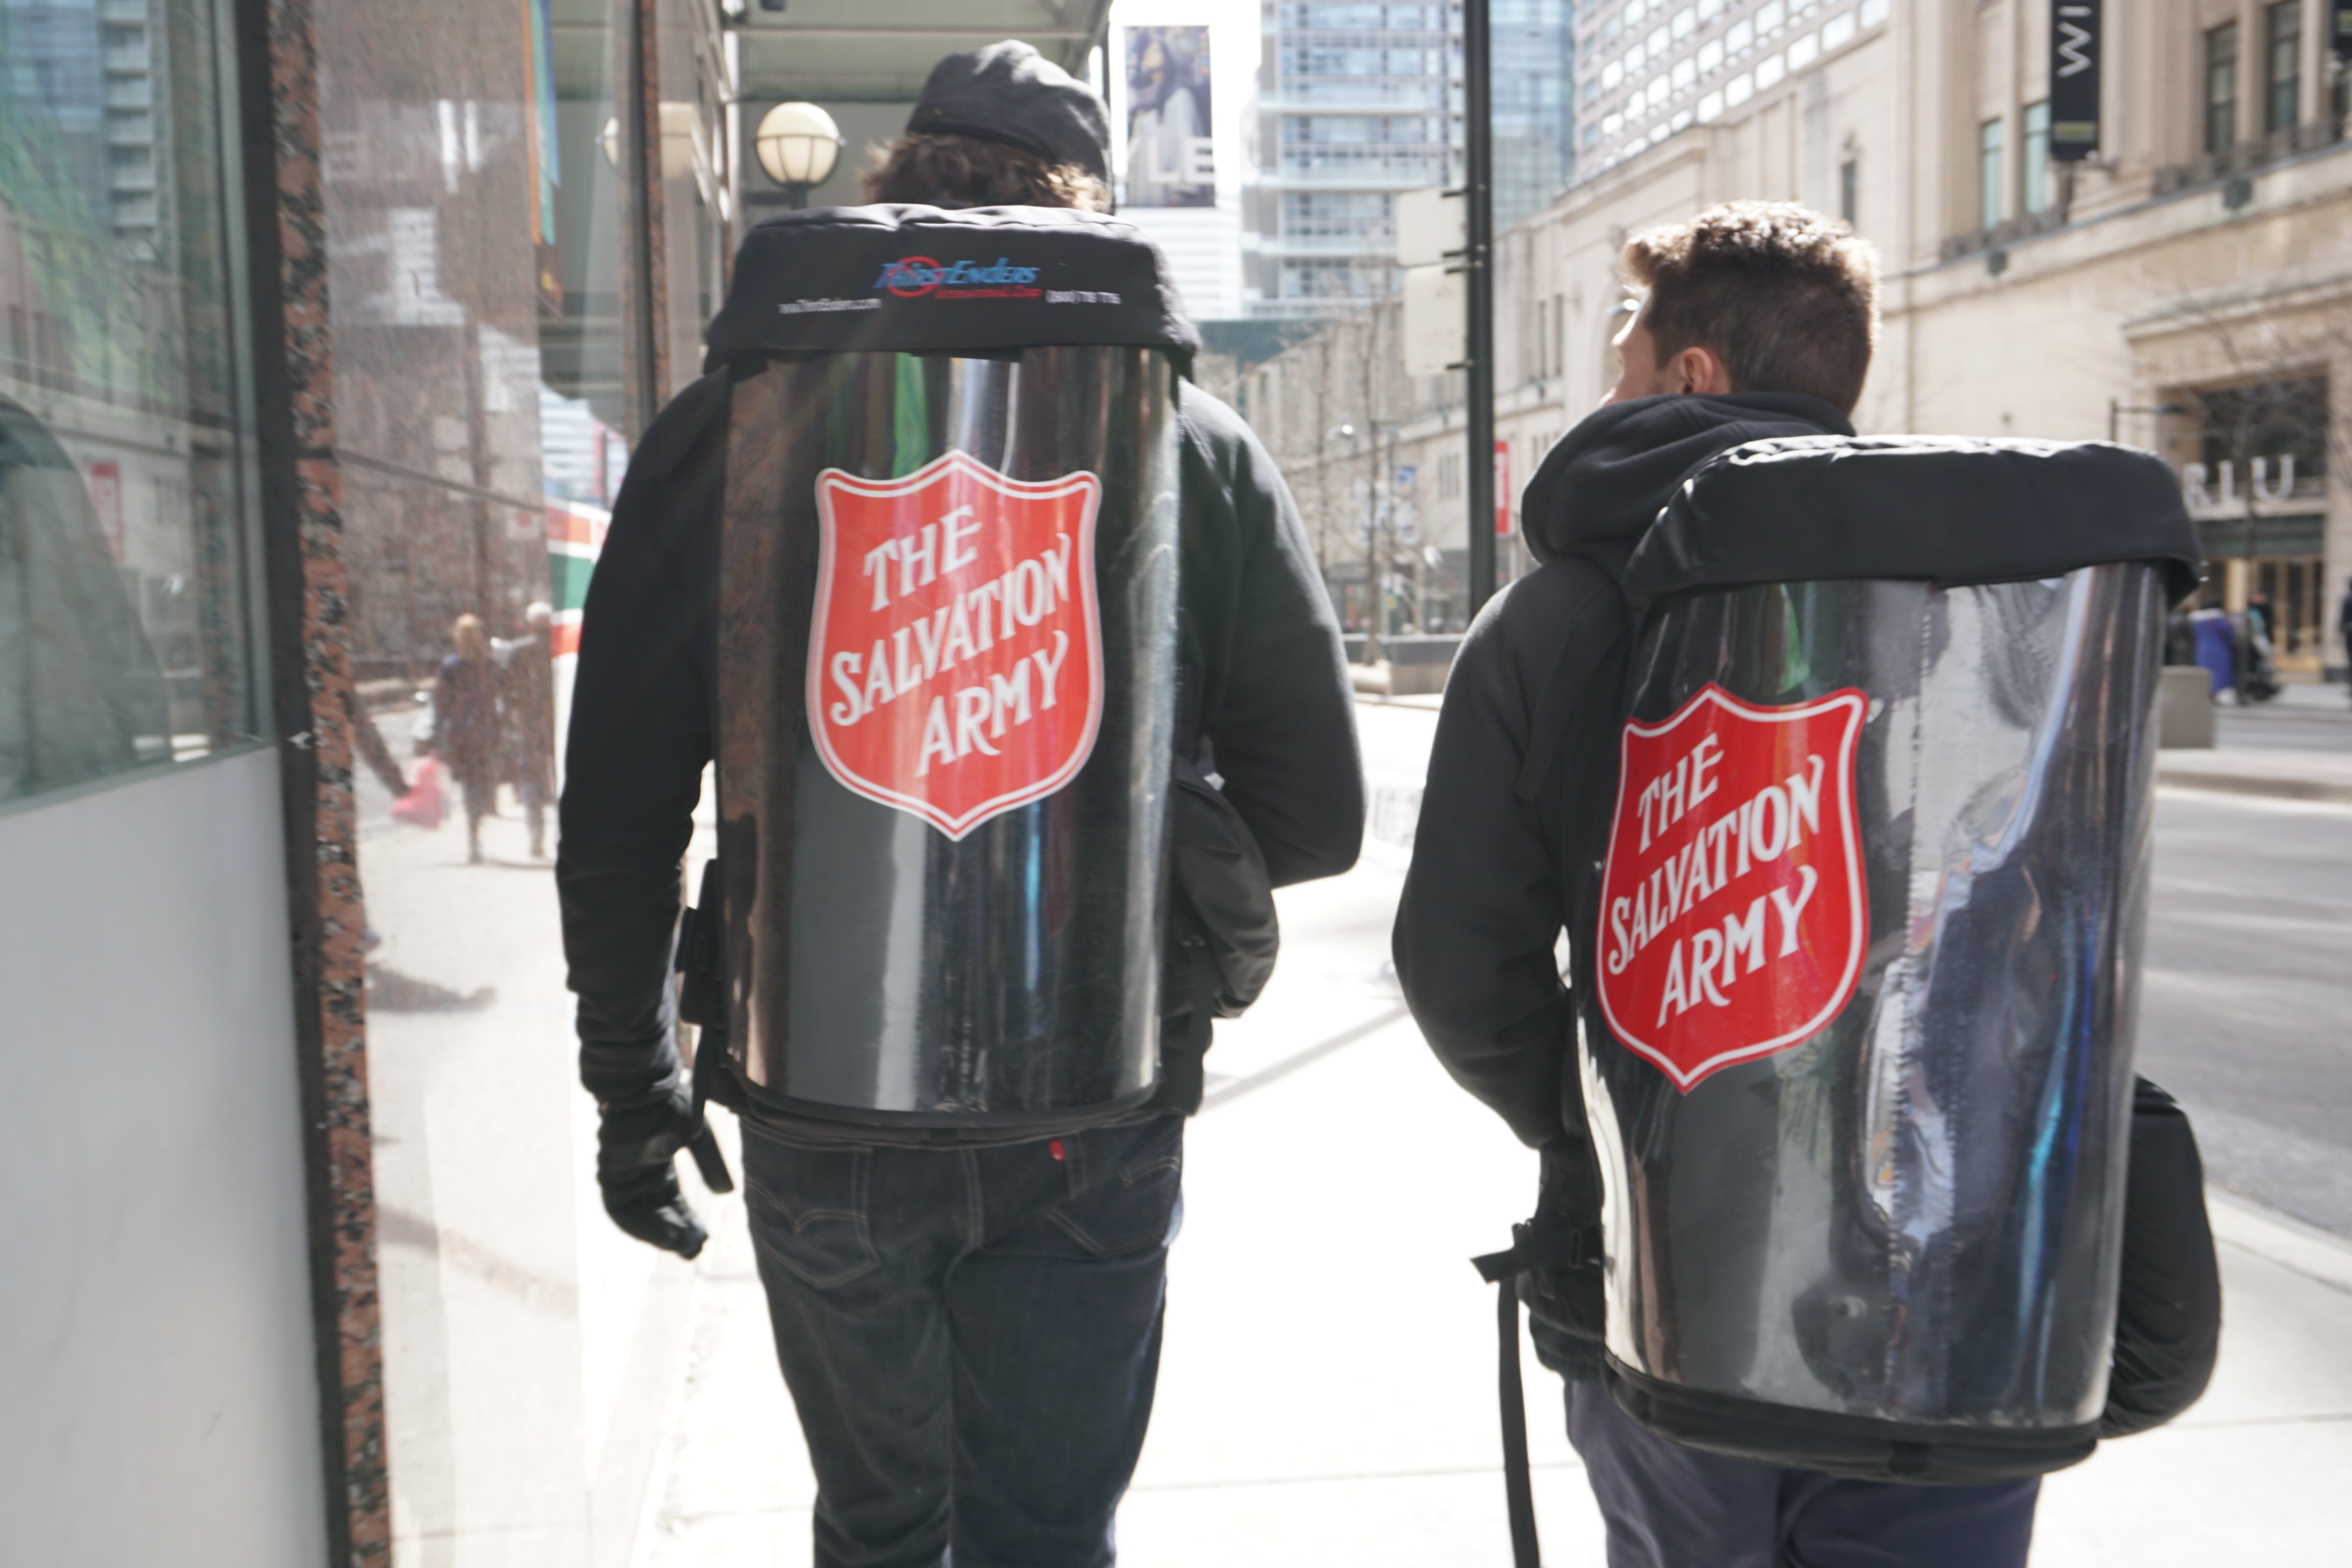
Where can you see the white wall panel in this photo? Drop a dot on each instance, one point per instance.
(158, 1403)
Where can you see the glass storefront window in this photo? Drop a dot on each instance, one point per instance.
(507, 311)
(126, 489)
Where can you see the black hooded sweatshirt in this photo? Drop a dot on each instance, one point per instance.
(1515, 814)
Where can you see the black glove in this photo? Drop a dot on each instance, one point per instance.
(1565, 1291)
(637, 1152)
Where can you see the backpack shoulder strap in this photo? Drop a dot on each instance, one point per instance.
(1600, 618)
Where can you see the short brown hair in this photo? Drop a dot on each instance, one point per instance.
(950, 170)
(1786, 298)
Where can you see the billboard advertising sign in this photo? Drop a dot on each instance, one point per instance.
(1171, 156)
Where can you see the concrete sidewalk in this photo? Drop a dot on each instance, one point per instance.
(1326, 1392)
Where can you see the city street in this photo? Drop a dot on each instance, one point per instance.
(2249, 991)
(1327, 1389)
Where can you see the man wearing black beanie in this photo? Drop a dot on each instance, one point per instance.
(971, 1330)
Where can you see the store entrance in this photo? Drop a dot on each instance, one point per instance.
(2296, 590)
(2284, 574)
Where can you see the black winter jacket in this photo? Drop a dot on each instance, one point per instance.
(1258, 645)
(1523, 776)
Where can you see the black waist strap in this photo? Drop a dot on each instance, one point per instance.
(1533, 1245)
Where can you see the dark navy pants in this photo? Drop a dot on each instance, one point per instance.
(971, 1336)
(1672, 1507)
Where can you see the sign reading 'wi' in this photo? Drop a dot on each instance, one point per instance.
(2075, 41)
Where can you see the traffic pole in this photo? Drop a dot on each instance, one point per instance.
(1479, 238)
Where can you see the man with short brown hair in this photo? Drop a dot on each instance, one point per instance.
(1755, 320)
(1776, 297)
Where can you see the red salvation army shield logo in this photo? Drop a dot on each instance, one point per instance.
(955, 661)
(1732, 922)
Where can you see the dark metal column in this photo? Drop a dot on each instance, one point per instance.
(314, 709)
(1478, 264)
(645, 303)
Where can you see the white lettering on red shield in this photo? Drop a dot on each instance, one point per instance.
(955, 657)
(1732, 914)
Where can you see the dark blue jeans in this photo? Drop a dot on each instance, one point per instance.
(1672, 1507)
(971, 1336)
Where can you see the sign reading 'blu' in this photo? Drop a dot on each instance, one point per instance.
(2075, 40)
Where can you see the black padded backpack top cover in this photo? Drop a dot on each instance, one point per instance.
(919, 280)
(1950, 509)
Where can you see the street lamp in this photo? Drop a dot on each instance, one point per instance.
(798, 144)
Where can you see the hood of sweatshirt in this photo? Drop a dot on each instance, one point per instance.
(1597, 492)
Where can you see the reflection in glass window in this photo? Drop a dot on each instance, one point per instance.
(1988, 163)
(2283, 31)
(125, 437)
(2035, 176)
(2221, 87)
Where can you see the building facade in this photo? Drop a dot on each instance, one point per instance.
(1359, 102)
(2185, 290)
(1356, 104)
(1651, 68)
(1532, 86)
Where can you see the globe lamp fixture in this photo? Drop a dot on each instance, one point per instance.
(798, 144)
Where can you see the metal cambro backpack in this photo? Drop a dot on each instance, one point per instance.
(1856, 1055)
(947, 664)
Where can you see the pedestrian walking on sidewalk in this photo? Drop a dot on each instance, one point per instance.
(465, 730)
(2344, 631)
(1756, 324)
(969, 1319)
(526, 693)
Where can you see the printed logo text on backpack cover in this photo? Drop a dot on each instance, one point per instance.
(1732, 917)
(955, 657)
